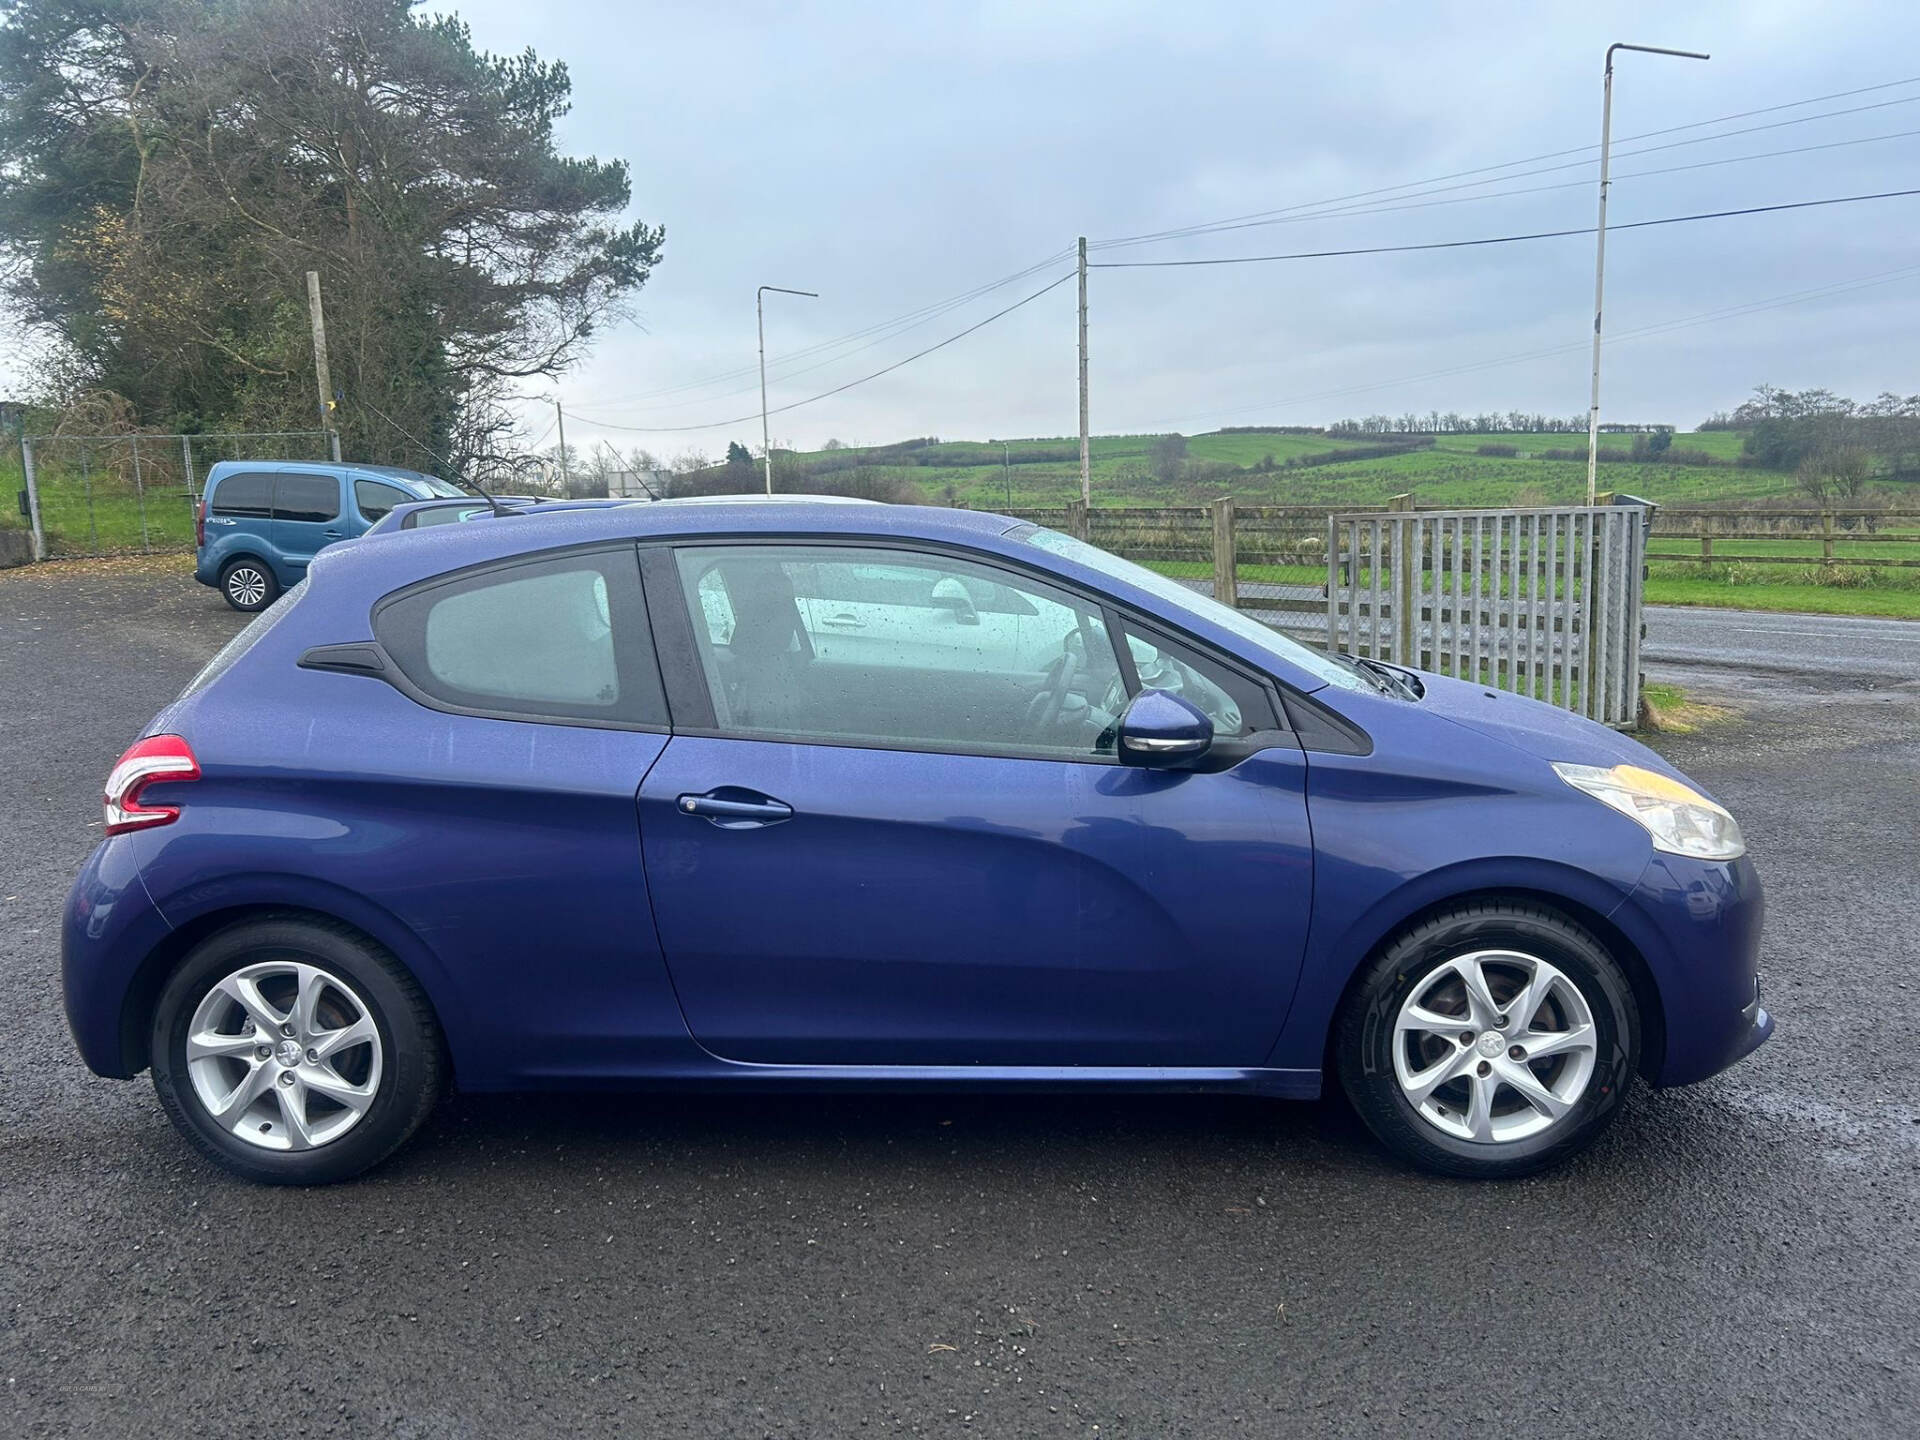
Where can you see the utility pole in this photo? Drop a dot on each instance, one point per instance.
(760, 320)
(1086, 449)
(566, 479)
(1006, 470)
(320, 375)
(1600, 247)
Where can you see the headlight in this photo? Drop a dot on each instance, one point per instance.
(1681, 820)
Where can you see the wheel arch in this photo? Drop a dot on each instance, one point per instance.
(1646, 992)
(150, 977)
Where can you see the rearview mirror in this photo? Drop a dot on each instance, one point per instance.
(1161, 731)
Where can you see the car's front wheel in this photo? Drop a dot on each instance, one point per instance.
(294, 1051)
(248, 585)
(1491, 1040)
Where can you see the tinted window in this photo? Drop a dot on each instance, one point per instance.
(871, 646)
(244, 495)
(306, 497)
(561, 639)
(376, 499)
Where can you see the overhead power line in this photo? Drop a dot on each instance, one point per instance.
(1283, 214)
(1643, 332)
(1416, 204)
(1494, 239)
(880, 332)
(838, 389)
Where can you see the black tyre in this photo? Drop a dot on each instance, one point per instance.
(249, 585)
(294, 1051)
(1489, 1041)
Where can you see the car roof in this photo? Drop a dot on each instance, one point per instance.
(436, 549)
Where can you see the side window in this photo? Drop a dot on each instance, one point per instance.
(561, 639)
(306, 497)
(244, 496)
(376, 498)
(441, 515)
(1236, 704)
(860, 645)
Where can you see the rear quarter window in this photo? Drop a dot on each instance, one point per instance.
(563, 639)
(243, 495)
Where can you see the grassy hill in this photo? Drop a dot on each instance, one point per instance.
(1301, 469)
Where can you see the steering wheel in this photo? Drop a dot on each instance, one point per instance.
(1044, 709)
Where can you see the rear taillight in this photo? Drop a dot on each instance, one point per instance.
(157, 758)
(200, 525)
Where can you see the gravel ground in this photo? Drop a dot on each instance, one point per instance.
(1736, 1258)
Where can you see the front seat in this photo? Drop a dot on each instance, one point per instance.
(769, 651)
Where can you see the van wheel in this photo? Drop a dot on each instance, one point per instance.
(294, 1051)
(248, 585)
(1492, 1040)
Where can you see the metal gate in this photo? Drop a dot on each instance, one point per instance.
(1543, 602)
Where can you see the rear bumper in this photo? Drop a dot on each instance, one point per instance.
(1697, 924)
(110, 927)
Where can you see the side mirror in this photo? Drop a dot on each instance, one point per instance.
(950, 595)
(1161, 731)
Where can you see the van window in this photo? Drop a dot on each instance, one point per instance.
(244, 496)
(375, 498)
(306, 497)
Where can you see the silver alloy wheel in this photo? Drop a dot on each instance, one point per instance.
(1493, 1046)
(284, 1055)
(246, 585)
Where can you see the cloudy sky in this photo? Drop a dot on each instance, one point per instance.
(896, 156)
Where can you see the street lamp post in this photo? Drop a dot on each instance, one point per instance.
(1600, 248)
(760, 319)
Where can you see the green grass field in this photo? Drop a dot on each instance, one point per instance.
(1046, 473)
(1042, 472)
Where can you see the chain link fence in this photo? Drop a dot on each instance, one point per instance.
(87, 495)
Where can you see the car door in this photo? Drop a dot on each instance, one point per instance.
(306, 518)
(928, 853)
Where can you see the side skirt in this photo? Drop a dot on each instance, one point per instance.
(717, 1074)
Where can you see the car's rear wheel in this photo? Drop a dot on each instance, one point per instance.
(248, 585)
(1491, 1040)
(295, 1051)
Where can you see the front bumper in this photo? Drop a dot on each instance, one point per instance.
(1697, 925)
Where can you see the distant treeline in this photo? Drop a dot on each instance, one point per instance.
(1513, 422)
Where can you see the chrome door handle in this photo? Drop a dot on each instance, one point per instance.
(845, 622)
(331, 534)
(740, 810)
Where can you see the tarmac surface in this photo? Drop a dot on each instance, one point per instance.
(1740, 1257)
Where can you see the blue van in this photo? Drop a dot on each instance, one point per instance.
(262, 521)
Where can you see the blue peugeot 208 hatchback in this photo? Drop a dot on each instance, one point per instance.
(868, 796)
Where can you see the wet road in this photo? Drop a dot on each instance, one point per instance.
(1852, 648)
(1736, 1258)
